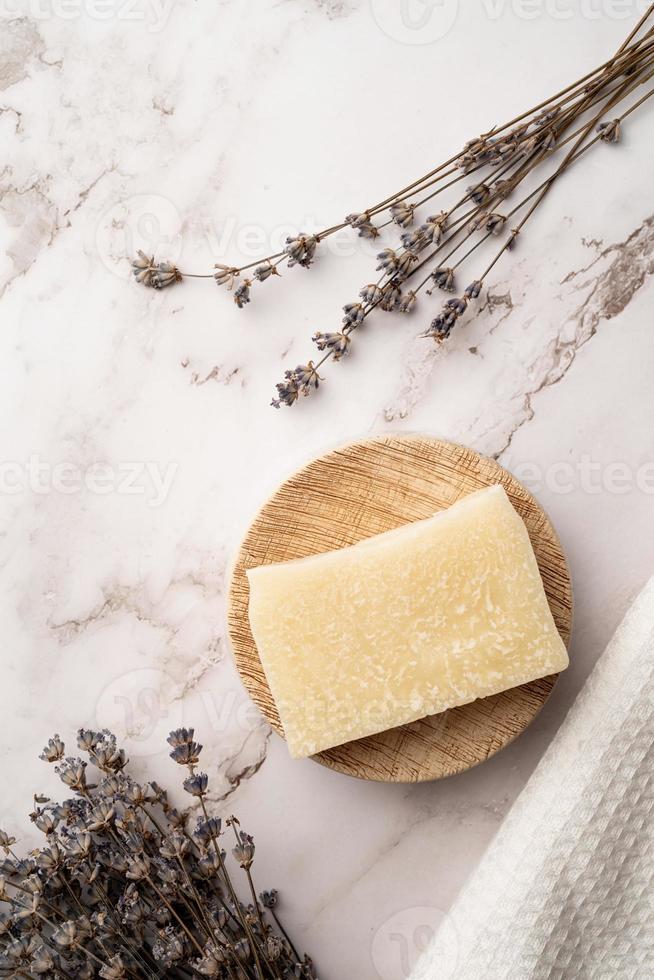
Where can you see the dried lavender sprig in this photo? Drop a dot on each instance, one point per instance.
(517, 119)
(454, 309)
(163, 274)
(548, 153)
(523, 137)
(442, 325)
(125, 863)
(359, 221)
(570, 157)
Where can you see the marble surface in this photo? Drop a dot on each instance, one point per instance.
(137, 441)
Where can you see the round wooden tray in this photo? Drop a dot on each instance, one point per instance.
(355, 492)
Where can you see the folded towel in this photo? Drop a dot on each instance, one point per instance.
(566, 888)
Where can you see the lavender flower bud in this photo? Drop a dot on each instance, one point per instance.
(407, 302)
(211, 963)
(274, 947)
(337, 343)
(466, 162)
(72, 772)
(45, 821)
(480, 193)
(242, 294)
(495, 222)
(457, 305)
(176, 818)
(416, 240)
(164, 275)
(108, 758)
(70, 934)
(307, 377)
(298, 382)
(301, 250)
(262, 272)
(387, 261)
(357, 219)
(502, 188)
(368, 230)
(479, 220)
(546, 116)
(187, 754)
(196, 785)
(404, 263)
(434, 227)
(473, 290)
(548, 141)
(392, 297)
(609, 131)
(443, 279)
(371, 294)
(134, 793)
(139, 867)
(287, 391)
(402, 213)
(114, 969)
(101, 817)
(180, 736)
(53, 751)
(42, 961)
(207, 830)
(143, 268)
(500, 151)
(362, 224)
(242, 950)
(80, 845)
(439, 328)
(354, 314)
(87, 739)
(244, 851)
(225, 275)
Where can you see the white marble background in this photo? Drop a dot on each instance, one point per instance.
(206, 130)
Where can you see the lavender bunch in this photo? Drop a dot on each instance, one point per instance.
(128, 886)
(433, 247)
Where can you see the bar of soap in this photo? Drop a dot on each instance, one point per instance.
(403, 625)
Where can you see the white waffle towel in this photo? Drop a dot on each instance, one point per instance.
(566, 889)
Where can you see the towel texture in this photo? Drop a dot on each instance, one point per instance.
(566, 889)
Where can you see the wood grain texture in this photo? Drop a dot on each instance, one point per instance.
(360, 490)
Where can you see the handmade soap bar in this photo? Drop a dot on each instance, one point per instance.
(403, 625)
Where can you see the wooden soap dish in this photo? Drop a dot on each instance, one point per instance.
(355, 492)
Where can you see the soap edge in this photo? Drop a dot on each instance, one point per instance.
(403, 529)
(418, 717)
